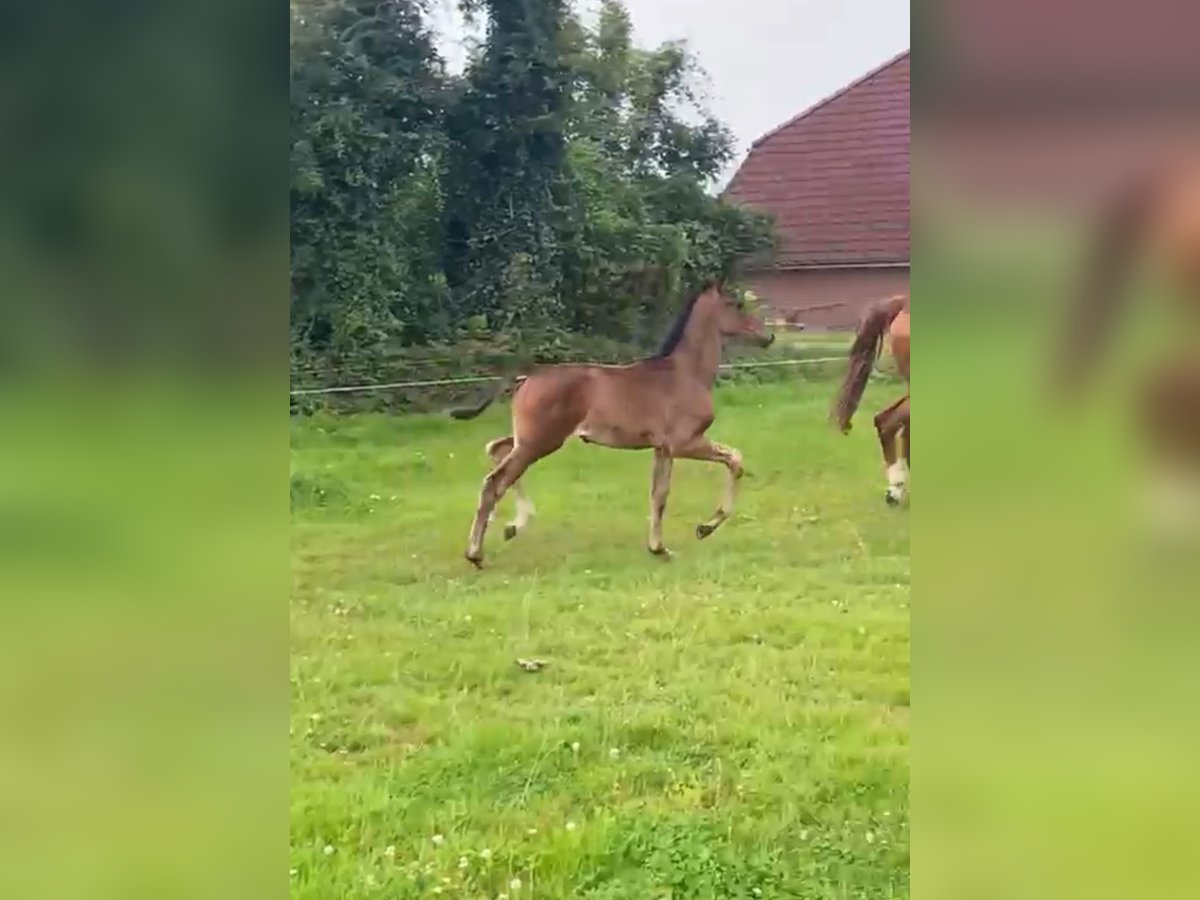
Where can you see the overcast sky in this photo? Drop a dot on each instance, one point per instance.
(767, 60)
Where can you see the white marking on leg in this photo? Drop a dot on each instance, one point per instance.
(525, 509)
(897, 476)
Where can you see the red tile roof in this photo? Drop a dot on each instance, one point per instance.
(836, 176)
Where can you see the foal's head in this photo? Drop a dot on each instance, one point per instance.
(735, 320)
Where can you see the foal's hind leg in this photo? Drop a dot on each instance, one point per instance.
(708, 451)
(497, 450)
(499, 480)
(889, 425)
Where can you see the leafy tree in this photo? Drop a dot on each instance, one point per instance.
(366, 122)
(559, 188)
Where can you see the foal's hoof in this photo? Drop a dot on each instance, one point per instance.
(510, 532)
(475, 560)
(703, 530)
(893, 497)
(661, 552)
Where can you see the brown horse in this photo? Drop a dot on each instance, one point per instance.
(663, 403)
(886, 318)
(1154, 219)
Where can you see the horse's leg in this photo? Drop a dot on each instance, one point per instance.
(889, 424)
(499, 480)
(497, 450)
(708, 451)
(660, 486)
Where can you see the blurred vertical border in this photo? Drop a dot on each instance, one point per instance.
(143, 518)
(1054, 626)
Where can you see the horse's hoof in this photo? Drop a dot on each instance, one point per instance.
(510, 532)
(892, 497)
(475, 560)
(703, 530)
(661, 552)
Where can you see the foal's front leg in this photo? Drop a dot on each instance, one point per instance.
(709, 451)
(660, 486)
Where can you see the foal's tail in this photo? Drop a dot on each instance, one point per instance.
(470, 412)
(863, 352)
(1109, 264)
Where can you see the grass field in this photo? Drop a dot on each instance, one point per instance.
(729, 724)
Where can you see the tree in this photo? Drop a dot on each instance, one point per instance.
(507, 147)
(366, 124)
(558, 190)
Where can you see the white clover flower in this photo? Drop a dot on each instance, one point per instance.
(328, 850)
(575, 747)
(614, 753)
(870, 837)
(485, 853)
(389, 851)
(463, 862)
(571, 826)
(438, 840)
(515, 884)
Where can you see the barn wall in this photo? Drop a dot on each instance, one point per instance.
(826, 298)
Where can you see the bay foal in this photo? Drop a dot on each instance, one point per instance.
(886, 318)
(663, 403)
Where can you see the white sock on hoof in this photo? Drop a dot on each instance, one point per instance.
(897, 476)
(525, 511)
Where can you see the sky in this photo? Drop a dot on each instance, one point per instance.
(767, 60)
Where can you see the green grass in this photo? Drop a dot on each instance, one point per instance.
(732, 723)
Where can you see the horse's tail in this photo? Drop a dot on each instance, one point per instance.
(868, 343)
(470, 412)
(1106, 273)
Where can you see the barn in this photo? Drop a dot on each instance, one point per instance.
(835, 178)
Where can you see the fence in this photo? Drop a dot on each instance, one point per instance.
(354, 390)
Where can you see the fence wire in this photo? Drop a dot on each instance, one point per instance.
(480, 379)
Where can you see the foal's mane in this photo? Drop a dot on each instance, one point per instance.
(679, 326)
